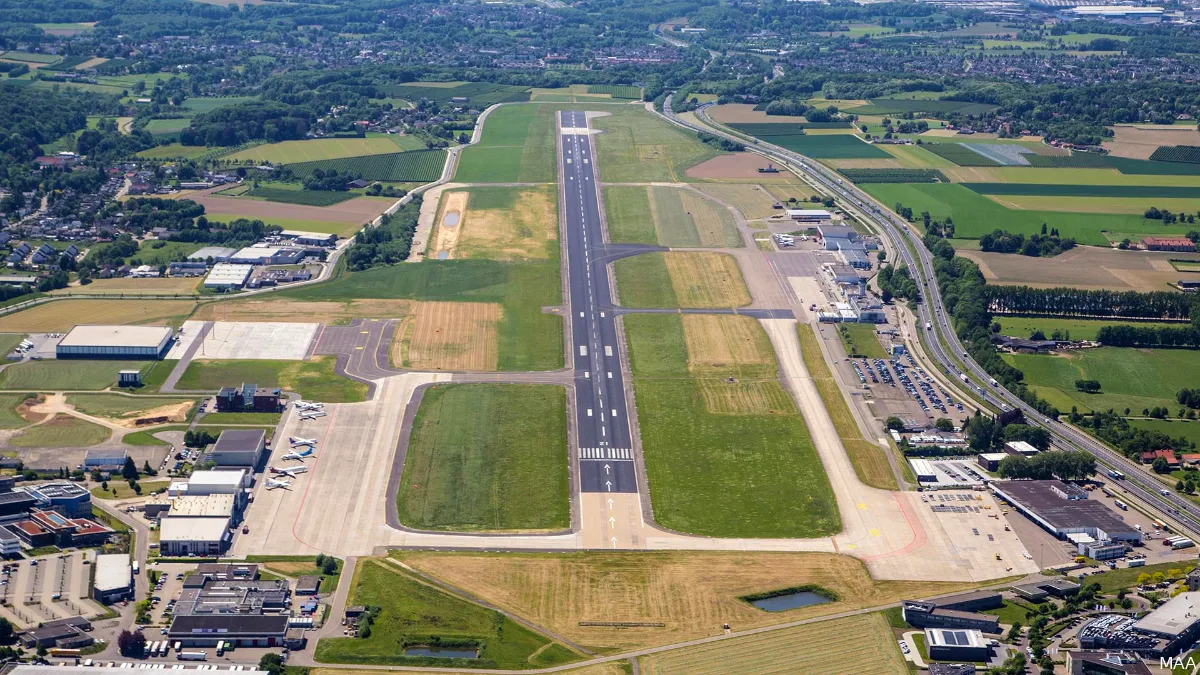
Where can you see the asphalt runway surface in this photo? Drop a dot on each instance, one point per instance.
(602, 418)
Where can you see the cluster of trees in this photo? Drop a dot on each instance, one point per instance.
(1036, 245)
(1189, 397)
(236, 124)
(1167, 217)
(1061, 464)
(1080, 302)
(328, 180)
(1088, 386)
(387, 244)
(720, 142)
(988, 433)
(326, 563)
(897, 282)
(1132, 442)
(236, 234)
(1187, 336)
(198, 439)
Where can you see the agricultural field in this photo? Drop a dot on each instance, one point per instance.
(480, 94)
(1129, 378)
(1078, 329)
(894, 175)
(316, 149)
(1143, 141)
(487, 457)
(174, 151)
(453, 336)
(416, 166)
(744, 113)
(1189, 429)
(54, 375)
(975, 215)
(203, 104)
(528, 338)
(616, 90)
(691, 592)
(896, 106)
(833, 146)
(305, 197)
(313, 379)
(502, 223)
(413, 612)
(773, 484)
(127, 286)
(740, 167)
(61, 431)
(343, 219)
(639, 147)
(167, 127)
(680, 279)
(30, 57)
(517, 146)
(960, 154)
(827, 647)
(1177, 153)
(771, 129)
(62, 315)
(1092, 191)
(1081, 267)
(677, 217)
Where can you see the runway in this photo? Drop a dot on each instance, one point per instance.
(604, 440)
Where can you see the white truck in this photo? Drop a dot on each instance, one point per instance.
(200, 655)
(1182, 542)
(963, 377)
(928, 325)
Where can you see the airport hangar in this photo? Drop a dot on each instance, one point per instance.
(115, 342)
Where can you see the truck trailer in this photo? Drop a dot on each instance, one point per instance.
(200, 655)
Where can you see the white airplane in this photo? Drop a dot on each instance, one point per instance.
(309, 405)
(312, 415)
(291, 472)
(298, 442)
(301, 455)
(273, 484)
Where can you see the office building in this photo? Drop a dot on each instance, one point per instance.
(954, 644)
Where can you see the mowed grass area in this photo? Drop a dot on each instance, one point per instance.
(174, 151)
(125, 286)
(55, 375)
(9, 417)
(685, 279)
(119, 489)
(691, 592)
(869, 460)
(747, 447)
(313, 379)
(315, 149)
(528, 338)
(1129, 378)
(487, 457)
(63, 315)
(860, 341)
(865, 641)
(1078, 329)
(61, 430)
(668, 216)
(639, 147)
(517, 146)
(1189, 429)
(413, 613)
(119, 405)
(975, 215)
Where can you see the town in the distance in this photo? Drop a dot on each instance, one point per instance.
(705, 337)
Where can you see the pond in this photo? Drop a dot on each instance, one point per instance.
(442, 653)
(450, 219)
(781, 603)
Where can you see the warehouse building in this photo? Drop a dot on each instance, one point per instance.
(309, 238)
(990, 461)
(268, 255)
(956, 611)
(261, 630)
(115, 342)
(217, 254)
(1020, 448)
(69, 633)
(1104, 663)
(195, 536)
(70, 499)
(239, 448)
(227, 276)
(923, 470)
(114, 578)
(809, 215)
(202, 483)
(105, 459)
(1065, 510)
(952, 644)
(1176, 622)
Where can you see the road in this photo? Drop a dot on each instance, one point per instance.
(944, 345)
(602, 420)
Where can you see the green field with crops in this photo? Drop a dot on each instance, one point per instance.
(764, 129)
(959, 154)
(894, 175)
(639, 147)
(894, 106)
(1079, 329)
(830, 146)
(616, 90)
(305, 197)
(203, 104)
(1033, 189)
(416, 166)
(1177, 153)
(1129, 378)
(517, 146)
(478, 94)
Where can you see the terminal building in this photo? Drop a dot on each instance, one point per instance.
(115, 342)
(1065, 511)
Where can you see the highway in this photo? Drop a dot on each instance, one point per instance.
(602, 423)
(944, 345)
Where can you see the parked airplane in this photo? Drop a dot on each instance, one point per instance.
(312, 415)
(309, 405)
(301, 455)
(298, 442)
(273, 484)
(290, 472)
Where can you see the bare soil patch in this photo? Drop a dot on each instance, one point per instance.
(1140, 143)
(134, 286)
(25, 410)
(278, 309)
(744, 113)
(359, 210)
(458, 336)
(174, 412)
(706, 279)
(445, 241)
(1086, 267)
(526, 231)
(734, 165)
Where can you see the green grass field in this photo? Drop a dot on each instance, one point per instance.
(1126, 577)
(412, 613)
(761, 468)
(174, 151)
(419, 166)
(9, 419)
(316, 149)
(975, 215)
(517, 146)
(529, 339)
(1129, 378)
(1079, 329)
(118, 405)
(1060, 190)
(167, 127)
(61, 431)
(161, 252)
(659, 215)
(146, 436)
(627, 211)
(203, 104)
(827, 146)
(639, 147)
(860, 341)
(305, 197)
(313, 379)
(30, 57)
(1189, 429)
(9, 342)
(242, 418)
(69, 374)
(487, 457)
(643, 281)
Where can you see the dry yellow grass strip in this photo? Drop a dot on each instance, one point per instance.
(63, 315)
(758, 397)
(846, 646)
(279, 309)
(752, 200)
(458, 336)
(706, 279)
(692, 592)
(91, 63)
(711, 219)
(129, 286)
(527, 230)
(719, 343)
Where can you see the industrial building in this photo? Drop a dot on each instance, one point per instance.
(248, 397)
(809, 215)
(217, 254)
(1040, 590)
(10, 544)
(955, 644)
(1065, 511)
(268, 255)
(1103, 663)
(213, 483)
(12, 503)
(46, 528)
(239, 448)
(115, 342)
(309, 238)
(202, 506)
(847, 243)
(114, 578)
(227, 276)
(69, 499)
(1116, 12)
(105, 459)
(228, 602)
(69, 633)
(251, 630)
(990, 461)
(24, 669)
(193, 536)
(957, 611)
(226, 571)
(923, 470)
(1020, 448)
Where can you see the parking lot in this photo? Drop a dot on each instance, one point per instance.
(252, 340)
(955, 473)
(46, 588)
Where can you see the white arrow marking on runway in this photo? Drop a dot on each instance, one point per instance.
(606, 468)
(612, 522)
(608, 483)
(610, 503)
(614, 542)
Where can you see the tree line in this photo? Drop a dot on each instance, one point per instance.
(1061, 464)
(1035, 245)
(1081, 302)
(388, 243)
(1186, 335)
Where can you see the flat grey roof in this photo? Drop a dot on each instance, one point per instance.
(113, 571)
(240, 440)
(116, 336)
(1174, 617)
(1037, 496)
